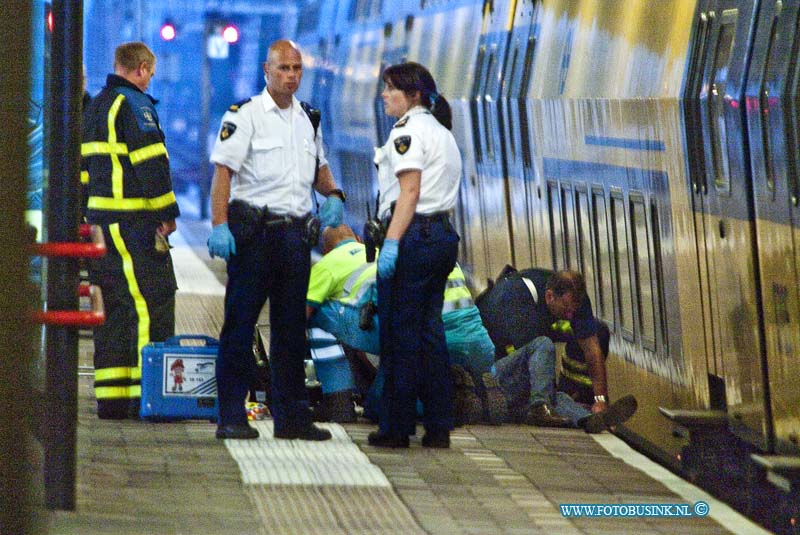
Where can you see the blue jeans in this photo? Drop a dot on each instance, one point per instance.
(341, 320)
(528, 378)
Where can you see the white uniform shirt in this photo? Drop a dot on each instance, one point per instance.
(272, 159)
(418, 141)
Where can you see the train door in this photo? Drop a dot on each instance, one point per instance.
(774, 126)
(722, 201)
(489, 140)
(517, 149)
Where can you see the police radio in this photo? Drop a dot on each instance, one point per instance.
(373, 232)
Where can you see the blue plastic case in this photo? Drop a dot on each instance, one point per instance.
(178, 379)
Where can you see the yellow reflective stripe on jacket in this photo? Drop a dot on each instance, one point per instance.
(112, 374)
(116, 167)
(574, 365)
(118, 392)
(126, 205)
(94, 148)
(84, 177)
(576, 377)
(456, 293)
(145, 153)
(111, 392)
(143, 323)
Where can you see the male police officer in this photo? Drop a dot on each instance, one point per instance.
(267, 157)
(130, 196)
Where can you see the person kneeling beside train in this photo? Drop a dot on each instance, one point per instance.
(342, 299)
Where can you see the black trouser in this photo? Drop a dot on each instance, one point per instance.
(138, 287)
(275, 265)
(414, 358)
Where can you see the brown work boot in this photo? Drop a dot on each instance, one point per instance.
(543, 415)
(616, 413)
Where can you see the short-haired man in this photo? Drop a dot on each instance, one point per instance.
(130, 197)
(527, 375)
(267, 158)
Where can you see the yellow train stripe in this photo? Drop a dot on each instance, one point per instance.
(84, 177)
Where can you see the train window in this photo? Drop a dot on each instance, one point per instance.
(793, 133)
(644, 272)
(658, 293)
(568, 225)
(694, 86)
(487, 112)
(605, 303)
(527, 71)
(477, 96)
(763, 100)
(584, 222)
(556, 232)
(716, 104)
(509, 95)
(621, 263)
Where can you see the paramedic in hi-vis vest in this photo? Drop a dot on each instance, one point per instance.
(130, 197)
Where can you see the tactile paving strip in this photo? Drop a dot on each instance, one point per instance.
(267, 461)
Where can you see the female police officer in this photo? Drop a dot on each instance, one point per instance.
(419, 171)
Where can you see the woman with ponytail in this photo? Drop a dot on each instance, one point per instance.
(419, 173)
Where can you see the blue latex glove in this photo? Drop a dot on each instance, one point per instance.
(221, 242)
(387, 259)
(332, 212)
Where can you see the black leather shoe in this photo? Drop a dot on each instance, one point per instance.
(543, 416)
(381, 440)
(616, 413)
(312, 432)
(436, 439)
(241, 432)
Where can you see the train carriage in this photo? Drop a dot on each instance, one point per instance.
(653, 146)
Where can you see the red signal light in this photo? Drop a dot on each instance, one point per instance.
(168, 32)
(230, 33)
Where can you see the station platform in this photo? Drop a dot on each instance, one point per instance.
(176, 478)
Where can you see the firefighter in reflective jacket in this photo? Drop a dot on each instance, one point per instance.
(131, 199)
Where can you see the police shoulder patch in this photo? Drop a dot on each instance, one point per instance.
(401, 123)
(227, 130)
(235, 107)
(402, 144)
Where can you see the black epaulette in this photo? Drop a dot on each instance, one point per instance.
(401, 123)
(235, 107)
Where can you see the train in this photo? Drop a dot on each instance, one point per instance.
(653, 146)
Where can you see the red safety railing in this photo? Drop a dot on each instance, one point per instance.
(76, 318)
